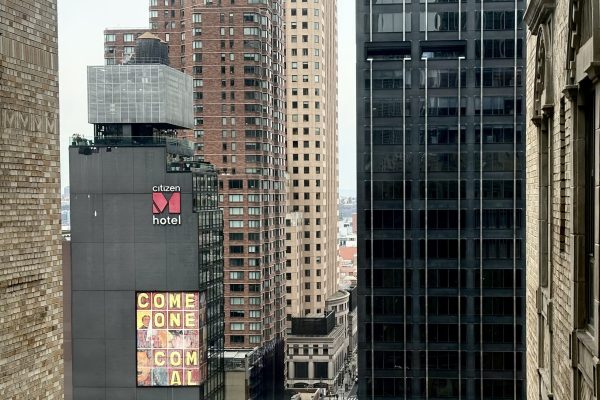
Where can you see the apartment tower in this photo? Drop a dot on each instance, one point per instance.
(312, 163)
(440, 124)
(563, 195)
(316, 357)
(31, 356)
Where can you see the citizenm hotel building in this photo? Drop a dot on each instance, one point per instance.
(146, 241)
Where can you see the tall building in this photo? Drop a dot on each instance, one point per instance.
(440, 122)
(235, 53)
(30, 232)
(313, 359)
(311, 76)
(146, 242)
(563, 195)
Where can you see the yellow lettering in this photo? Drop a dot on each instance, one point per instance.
(189, 378)
(174, 320)
(175, 359)
(191, 358)
(159, 320)
(174, 300)
(175, 379)
(142, 300)
(159, 358)
(159, 300)
(190, 320)
(189, 300)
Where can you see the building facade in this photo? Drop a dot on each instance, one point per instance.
(30, 233)
(235, 53)
(563, 142)
(440, 123)
(312, 162)
(146, 242)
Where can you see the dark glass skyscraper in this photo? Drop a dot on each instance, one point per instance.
(441, 199)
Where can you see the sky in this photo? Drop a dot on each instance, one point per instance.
(81, 43)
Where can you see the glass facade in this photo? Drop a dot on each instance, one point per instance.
(440, 147)
(210, 262)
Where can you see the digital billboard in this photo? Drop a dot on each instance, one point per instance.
(171, 349)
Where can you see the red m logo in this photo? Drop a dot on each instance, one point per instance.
(159, 203)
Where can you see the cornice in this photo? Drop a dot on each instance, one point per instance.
(537, 13)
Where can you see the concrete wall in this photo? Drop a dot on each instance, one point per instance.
(116, 251)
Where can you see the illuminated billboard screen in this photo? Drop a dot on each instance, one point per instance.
(171, 349)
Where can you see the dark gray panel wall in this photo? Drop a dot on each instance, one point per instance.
(117, 251)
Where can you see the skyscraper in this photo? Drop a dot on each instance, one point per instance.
(311, 76)
(563, 196)
(316, 357)
(30, 231)
(235, 53)
(440, 105)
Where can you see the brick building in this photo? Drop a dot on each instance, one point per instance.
(30, 236)
(563, 199)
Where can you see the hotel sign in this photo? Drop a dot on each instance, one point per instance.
(166, 205)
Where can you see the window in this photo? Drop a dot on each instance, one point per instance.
(255, 326)
(254, 314)
(236, 326)
(128, 37)
(254, 275)
(236, 224)
(239, 339)
(236, 275)
(236, 301)
(255, 339)
(196, 18)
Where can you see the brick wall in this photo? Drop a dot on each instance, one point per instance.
(30, 237)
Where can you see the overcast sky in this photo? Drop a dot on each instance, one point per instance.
(80, 41)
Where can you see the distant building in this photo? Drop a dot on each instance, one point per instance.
(563, 200)
(31, 331)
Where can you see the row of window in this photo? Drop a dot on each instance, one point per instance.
(241, 339)
(444, 135)
(443, 190)
(492, 389)
(239, 301)
(384, 108)
(442, 78)
(444, 249)
(441, 21)
(444, 306)
(389, 332)
(240, 326)
(234, 275)
(444, 278)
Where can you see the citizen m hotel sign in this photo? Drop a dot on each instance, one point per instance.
(166, 205)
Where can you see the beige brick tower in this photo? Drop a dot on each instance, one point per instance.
(30, 239)
(312, 130)
(563, 142)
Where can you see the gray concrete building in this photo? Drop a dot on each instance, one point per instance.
(30, 233)
(563, 194)
(146, 244)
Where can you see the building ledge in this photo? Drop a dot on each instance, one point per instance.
(537, 13)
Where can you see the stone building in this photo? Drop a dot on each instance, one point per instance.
(30, 237)
(562, 199)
